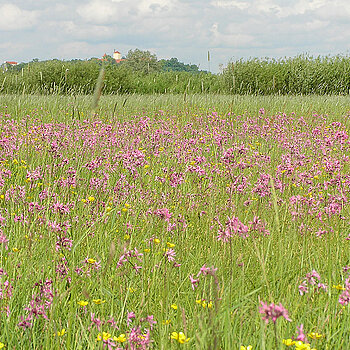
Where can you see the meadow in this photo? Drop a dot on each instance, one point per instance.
(174, 222)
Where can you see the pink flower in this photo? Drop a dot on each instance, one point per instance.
(273, 312)
(301, 336)
(194, 282)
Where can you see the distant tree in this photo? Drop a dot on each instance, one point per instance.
(142, 61)
(174, 65)
(108, 59)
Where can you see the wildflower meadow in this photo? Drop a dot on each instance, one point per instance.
(177, 222)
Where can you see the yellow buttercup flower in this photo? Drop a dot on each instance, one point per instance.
(249, 347)
(315, 335)
(83, 303)
(98, 301)
(120, 339)
(103, 336)
(288, 342)
(91, 261)
(174, 306)
(180, 337)
(59, 333)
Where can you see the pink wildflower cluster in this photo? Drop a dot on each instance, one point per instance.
(312, 279)
(132, 257)
(344, 298)
(232, 227)
(204, 270)
(88, 267)
(39, 305)
(271, 312)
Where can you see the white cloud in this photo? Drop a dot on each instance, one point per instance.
(227, 4)
(14, 18)
(99, 11)
(173, 28)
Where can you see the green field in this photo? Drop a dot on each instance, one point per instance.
(166, 221)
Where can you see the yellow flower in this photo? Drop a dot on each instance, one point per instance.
(126, 237)
(170, 245)
(15, 250)
(127, 205)
(180, 337)
(315, 335)
(83, 302)
(84, 200)
(338, 287)
(166, 322)
(147, 250)
(299, 345)
(98, 301)
(104, 336)
(249, 347)
(120, 339)
(2, 345)
(59, 333)
(91, 199)
(91, 261)
(156, 241)
(174, 306)
(288, 342)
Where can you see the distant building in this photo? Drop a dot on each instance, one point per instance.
(7, 64)
(104, 58)
(117, 56)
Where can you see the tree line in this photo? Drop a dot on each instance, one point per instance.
(141, 72)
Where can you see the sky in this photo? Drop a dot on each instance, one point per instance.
(228, 29)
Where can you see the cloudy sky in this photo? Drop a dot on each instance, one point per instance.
(229, 29)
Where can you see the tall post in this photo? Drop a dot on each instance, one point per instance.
(209, 61)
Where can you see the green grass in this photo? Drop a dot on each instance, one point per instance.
(64, 107)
